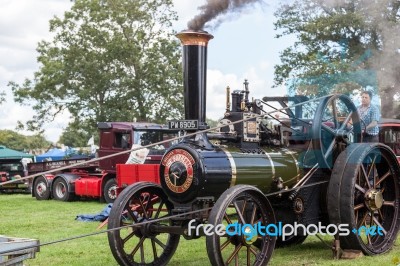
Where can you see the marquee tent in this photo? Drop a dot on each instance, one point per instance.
(6, 153)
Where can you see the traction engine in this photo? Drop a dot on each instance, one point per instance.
(288, 166)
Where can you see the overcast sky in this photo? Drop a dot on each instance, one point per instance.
(243, 47)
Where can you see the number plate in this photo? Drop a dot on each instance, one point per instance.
(184, 124)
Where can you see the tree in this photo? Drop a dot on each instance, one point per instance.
(343, 46)
(16, 141)
(74, 136)
(110, 60)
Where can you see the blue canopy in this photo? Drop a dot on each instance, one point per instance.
(51, 155)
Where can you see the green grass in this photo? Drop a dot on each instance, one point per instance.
(24, 216)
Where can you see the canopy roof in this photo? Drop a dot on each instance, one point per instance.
(53, 154)
(6, 153)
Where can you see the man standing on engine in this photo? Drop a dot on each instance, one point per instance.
(369, 115)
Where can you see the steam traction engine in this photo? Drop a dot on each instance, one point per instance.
(257, 169)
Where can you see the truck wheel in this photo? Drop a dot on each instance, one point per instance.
(364, 193)
(110, 190)
(241, 205)
(141, 245)
(41, 190)
(60, 190)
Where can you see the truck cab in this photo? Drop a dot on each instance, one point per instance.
(122, 136)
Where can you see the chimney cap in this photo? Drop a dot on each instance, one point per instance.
(190, 37)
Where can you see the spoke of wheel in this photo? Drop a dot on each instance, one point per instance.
(363, 220)
(371, 214)
(358, 206)
(234, 253)
(330, 148)
(389, 203)
(328, 129)
(161, 204)
(237, 260)
(364, 174)
(346, 121)
(227, 218)
(369, 239)
(153, 245)
(239, 213)
(252, 250)
(244, 206)
(382, 178)
(129, 236)
(142, 253)
(225, 244)
(360, 188)
(248, 255)
(158, 241)
(253, 215)
(144, 208)
(372, 165)
(380, 214)
(334, 111)
(136, 248)
(379, 224)
(131, 214)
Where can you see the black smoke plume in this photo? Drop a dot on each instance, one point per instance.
(215, 8)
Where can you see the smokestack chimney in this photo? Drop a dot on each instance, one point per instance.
(194, 58)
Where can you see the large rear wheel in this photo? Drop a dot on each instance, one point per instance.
(364, 192)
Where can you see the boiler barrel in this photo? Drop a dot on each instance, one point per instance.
(262, 169)
(188, 172)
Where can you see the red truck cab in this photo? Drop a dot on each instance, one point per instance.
(120, 136)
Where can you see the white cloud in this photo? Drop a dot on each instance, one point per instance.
(23, 24)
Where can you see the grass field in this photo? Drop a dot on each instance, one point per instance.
(48, 221)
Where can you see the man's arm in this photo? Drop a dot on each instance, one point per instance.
(374, 117)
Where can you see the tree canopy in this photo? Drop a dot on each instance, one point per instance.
(342, 46)
(16, 141)
(109, 60)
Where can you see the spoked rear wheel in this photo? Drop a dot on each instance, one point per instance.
(246, 207)
(136, 244)
(364, 193)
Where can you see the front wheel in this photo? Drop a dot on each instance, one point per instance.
(110, 190)
(132, 243)
(245, 207)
